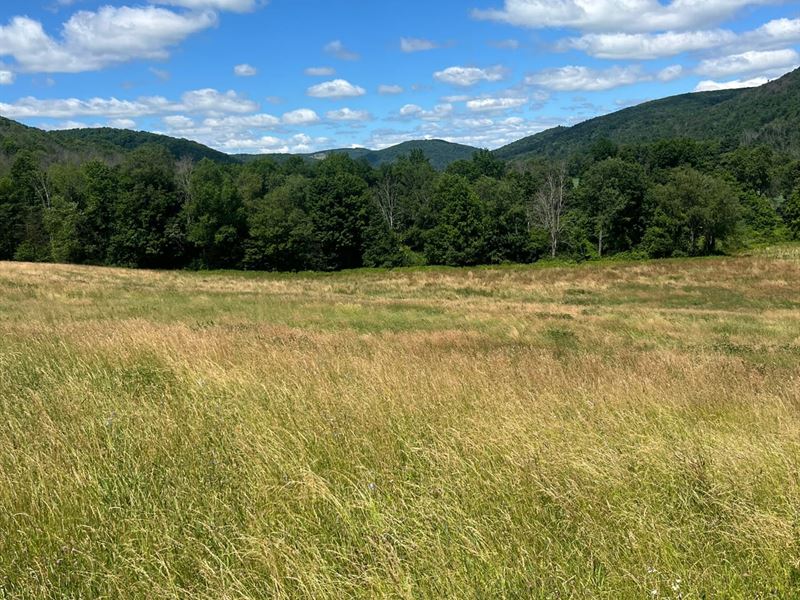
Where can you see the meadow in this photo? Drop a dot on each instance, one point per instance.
(609, 430)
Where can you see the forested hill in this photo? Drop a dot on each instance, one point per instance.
(768, 115)
(112, 144)
(440, 153)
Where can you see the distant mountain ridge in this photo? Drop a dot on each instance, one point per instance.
(768, 115)
(439, 152)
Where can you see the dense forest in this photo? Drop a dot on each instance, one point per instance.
(684, 176)
(676, 197)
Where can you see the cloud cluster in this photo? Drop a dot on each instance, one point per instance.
(616, 15)
(205, 101)
(338, 88)
(409, 45)
(94, 40)
(575, 78)
(240, 6)
(469, 76)
(245, 70)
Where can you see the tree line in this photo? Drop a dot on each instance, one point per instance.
(665, 199)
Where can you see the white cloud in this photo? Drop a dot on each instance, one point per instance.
(575, 78)
(212, 102)
(230, 5)
(238, 122)
(347, 114)
(495, 104)
(338, 88)
(413, 111)
(469, 76)
(320, 71)
(6, 77)
(245, 70)
(178, 122)
(616, 15)
(478, 131)
(301, 116)
(300, 143)
(753, 61)
(645, 46)
(122, 123)
(416, 45)
(777, 32)
(93, 40)
(670, 73)
(390, 90)
(65, 126)
(207, 101)
(337, 48)
(712, 86)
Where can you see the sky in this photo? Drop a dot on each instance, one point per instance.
(300, 76)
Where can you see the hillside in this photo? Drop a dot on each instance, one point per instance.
(769, 114)
(439, 152)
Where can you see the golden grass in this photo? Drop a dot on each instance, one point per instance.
(605, 431)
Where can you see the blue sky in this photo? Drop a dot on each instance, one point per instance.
(306, 75)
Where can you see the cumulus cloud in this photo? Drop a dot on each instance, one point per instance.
(301, 116)
(6, 77)
(240, 6)
(206, 101)
(469, 76)
(774, 34)
(753, 61)
(245, 70)
(414, 111)
(416, 45)
(390, 90)
(320, 71)
(300, 143)
(338, 88)
(347, 114)
(646, 46)
(122, 123)
(93, 40)
(615, 15)
(337, 48)
(575, 78)
(713, 86)
(475, 130)
(670, 73)
(495, 104)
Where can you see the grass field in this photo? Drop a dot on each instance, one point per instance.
(609, 431)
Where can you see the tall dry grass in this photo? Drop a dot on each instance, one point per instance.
(606, 431)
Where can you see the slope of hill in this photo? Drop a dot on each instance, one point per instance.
(769, 114)
(439, 152)
(125, 140)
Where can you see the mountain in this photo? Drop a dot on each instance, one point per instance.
(769, 115)
(439, 152)
(104, 143)
(114, 143)
(125, 140)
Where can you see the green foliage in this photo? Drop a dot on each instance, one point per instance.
(638, 182)
(457, 238)
(791, 214)
(768, 115)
